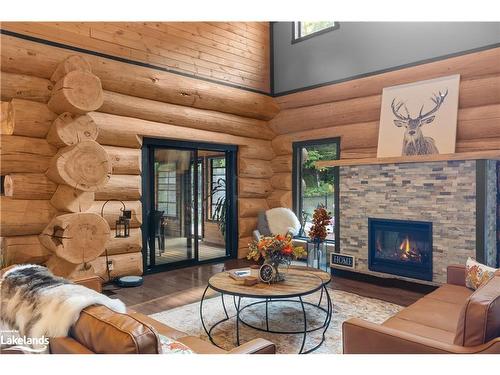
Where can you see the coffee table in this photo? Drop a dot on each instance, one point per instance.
(300, 282)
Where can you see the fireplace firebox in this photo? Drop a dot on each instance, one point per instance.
(400, 247)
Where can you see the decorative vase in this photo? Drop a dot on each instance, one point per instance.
(316, 254)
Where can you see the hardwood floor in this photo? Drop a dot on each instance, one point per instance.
(167, 290)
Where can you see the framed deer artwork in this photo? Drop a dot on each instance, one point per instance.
(419, 118)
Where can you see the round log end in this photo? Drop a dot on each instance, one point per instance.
(74, 62)
(8, 186)
(85, 166)
(7, 118)
(77, 237)
(68, 130)
(77, 92)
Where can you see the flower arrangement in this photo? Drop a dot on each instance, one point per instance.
(321, 219)
(276, 250)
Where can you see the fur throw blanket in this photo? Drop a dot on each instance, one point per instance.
(282, 220)
(36, 303)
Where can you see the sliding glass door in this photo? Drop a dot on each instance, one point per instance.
(189, 205)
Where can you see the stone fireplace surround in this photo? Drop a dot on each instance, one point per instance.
(458, 197)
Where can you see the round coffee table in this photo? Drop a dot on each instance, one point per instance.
(300, 282)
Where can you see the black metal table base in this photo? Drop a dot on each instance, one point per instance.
(237, 304)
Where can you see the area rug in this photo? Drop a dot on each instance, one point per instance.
(285, 316)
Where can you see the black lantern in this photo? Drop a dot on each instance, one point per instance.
(122, 225)
(122, 229)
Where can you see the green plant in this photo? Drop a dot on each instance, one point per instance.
(219, 211)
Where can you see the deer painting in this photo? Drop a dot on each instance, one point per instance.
(414, 141)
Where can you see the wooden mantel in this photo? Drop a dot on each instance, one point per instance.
(479, 155)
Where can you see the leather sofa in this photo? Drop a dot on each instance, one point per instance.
(452, 319)
(103, 331)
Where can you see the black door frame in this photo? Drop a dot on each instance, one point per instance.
(148, 145)
(297, 182)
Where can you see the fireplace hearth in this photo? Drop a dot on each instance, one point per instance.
(400, 247)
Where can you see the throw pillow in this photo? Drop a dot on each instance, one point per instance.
(477, 274)
(169, 346)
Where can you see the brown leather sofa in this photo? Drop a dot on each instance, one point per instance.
(101, 330)
(452, 319)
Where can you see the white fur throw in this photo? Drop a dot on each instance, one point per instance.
(36, 303)
(282, 220)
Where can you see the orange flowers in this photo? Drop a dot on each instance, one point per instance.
(321, 219)
(277, 248)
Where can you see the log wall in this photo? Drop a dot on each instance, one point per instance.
(351, 111)
(231, 52)
(139, 102)
(157, 104)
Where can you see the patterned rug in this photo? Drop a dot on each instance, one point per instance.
(286, 316)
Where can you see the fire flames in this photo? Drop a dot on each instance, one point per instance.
(407, 252)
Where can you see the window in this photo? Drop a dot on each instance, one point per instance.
(313, 186)
(167, 189)
(305, 30)
(217, 188)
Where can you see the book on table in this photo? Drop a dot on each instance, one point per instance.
(240, 274)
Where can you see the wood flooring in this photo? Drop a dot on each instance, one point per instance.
(170, 289)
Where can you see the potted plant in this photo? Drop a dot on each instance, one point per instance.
(275, 250)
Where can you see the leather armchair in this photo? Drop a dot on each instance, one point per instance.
(101, 330)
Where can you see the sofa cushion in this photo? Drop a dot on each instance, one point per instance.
(104, 331)
(479, 320)
(451, 293)
(433, 313)
(477, 274)
(420, 330)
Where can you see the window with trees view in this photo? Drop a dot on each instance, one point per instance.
(217, 182)
(305, 29)
(315, 186)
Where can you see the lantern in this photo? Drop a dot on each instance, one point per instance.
(122, 229)
(122, 225)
